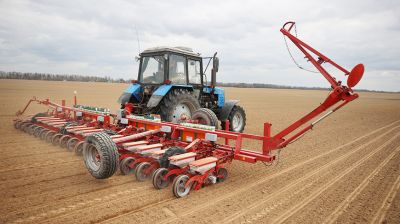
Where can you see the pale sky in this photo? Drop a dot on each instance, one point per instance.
(99, 37)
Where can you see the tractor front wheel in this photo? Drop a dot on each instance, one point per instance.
(237, 119)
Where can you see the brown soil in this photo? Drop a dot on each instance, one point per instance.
(344, 171)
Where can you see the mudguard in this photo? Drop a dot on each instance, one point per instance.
(163, 90)
(226, 109)
(132, 90)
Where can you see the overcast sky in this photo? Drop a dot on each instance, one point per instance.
(99, 37)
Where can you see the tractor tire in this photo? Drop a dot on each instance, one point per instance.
(175, 150)
(101, 156)
(237, 119)
(207, 117)
(33, 119)
(177, 105)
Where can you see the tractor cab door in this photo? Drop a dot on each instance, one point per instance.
(177, 69)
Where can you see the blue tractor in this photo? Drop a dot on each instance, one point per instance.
(172, 83)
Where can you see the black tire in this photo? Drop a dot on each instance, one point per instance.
(56, 139)
(49, 136)
(124, 166)
(78, 149)
(107, 162)
(223, 173)
(178, 186)
(64, 140)
(175, 150)
(174, 98)
(37, 132)
(236, 111)
(207, 117)
(71, 144)
(158, 178)
(33, 119)
(43, 133)
(139, 172)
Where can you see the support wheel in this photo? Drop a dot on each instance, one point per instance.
(49, 136)
(78, 149)
(140, 173)
(207, 117)
(177, 105)
(222, 175)
(63, 141)
(125, 166)
(56, 139)
(43, 133)
(178, 186)
(101, 156)
(37, 131)
(158, 178)
(71, 143)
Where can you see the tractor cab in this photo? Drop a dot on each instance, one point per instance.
(171, 83)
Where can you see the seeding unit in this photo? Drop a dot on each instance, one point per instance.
(190, 155)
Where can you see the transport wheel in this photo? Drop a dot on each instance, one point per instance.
(43, 133)
(63, 141)
(49, 136)
(101, 156)
(78, 149)
(178, 186)
(222, 174)
(237, 119)
(26, 126)
(175, 150)
(71, 144)
(56, 139)
(207, 117)
(177, 105)
(158, 178)
(124, 166)
(37, 131)
(31, 129)
(140, 172)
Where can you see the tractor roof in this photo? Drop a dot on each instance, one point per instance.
(180, 50)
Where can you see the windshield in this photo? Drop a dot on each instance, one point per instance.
(152, 70)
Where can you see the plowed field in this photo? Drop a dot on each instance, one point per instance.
(346, 170)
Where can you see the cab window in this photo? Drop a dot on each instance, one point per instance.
(177, 69)
(194, 72)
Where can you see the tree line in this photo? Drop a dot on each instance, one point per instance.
(84, 78)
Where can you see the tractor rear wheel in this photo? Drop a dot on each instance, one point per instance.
(237, 119)
(101, 156)
(178, 105)
(207, 117)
